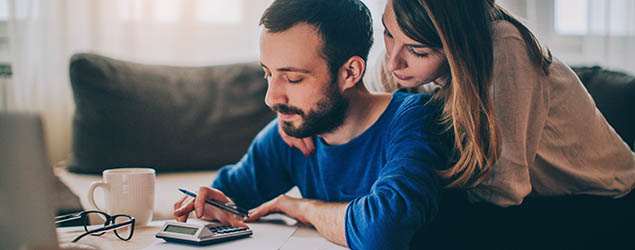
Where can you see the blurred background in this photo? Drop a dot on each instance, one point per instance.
(37, 38)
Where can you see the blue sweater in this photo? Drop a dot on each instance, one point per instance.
(387, 174)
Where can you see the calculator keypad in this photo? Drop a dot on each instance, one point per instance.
(226, 229)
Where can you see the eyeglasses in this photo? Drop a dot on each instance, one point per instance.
(122, 224)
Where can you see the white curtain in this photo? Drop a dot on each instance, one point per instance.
(45, 33)
(39, 57)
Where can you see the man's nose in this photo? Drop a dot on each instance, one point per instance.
(395, 60)
(276, 93)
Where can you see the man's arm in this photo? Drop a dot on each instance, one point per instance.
(387, 218)
(327, 217)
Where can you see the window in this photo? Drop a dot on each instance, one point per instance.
(595, 17)
(5, 67)
(4, 32)
(571, 17)
(219, 11)
(586, 32)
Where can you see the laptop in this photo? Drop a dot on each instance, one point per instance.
(26, 180)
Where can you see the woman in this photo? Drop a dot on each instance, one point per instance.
(524, 125)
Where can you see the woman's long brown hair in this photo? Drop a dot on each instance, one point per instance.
(462, 28)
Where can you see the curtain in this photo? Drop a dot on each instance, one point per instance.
(39, 58)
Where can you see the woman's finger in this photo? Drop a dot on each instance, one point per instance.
(308, 142)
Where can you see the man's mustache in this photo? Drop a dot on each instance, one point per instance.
(288, 110)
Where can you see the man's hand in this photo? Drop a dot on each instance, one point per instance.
(292, 207)
(303, 144)
(327, 218)
(204, 211)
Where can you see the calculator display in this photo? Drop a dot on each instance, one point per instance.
(180, 229)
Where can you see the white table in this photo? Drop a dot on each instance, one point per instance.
(266, 235)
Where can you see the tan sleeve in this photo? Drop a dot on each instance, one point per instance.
(521, 105)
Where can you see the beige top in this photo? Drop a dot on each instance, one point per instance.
(555, 140)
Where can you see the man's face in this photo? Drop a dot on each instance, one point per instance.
(308, 102)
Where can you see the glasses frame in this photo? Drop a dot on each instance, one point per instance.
(84, 217)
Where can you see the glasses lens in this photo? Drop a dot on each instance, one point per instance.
(124, 233)
(95, 219)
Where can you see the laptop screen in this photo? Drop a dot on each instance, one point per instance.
(26, 181)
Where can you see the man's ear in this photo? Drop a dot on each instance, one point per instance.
(351, 72)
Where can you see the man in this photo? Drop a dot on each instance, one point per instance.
(371, 183)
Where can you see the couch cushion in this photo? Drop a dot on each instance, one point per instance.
(164, 117)
(614, 95)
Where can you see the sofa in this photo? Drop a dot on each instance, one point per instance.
(186, 122)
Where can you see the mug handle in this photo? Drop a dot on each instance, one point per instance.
(91, 191)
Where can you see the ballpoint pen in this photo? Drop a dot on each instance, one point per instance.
(224, 206)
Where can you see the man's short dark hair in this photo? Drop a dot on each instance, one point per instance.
(346, 26)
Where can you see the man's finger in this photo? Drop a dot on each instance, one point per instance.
(231, 219)
(258, 212)
(205, 193)
(237, 221)
(179, 203)
(182, 213)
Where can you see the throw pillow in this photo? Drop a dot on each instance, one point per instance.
(164, 117)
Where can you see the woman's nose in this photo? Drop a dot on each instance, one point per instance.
(394, 60)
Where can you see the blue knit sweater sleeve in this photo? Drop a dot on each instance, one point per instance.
(261, 174)
(406, 194)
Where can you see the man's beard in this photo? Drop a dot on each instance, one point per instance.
(328, 116)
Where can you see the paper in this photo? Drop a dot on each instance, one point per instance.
(307, 238)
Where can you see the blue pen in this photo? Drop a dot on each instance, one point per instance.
(224, 206)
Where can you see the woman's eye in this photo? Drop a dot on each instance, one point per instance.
(386, 33)
(417, 54)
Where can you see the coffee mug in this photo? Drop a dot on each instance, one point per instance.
(127, 191)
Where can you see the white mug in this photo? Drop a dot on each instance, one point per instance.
(127, 191)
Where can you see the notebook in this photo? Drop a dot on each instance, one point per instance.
(26, 208)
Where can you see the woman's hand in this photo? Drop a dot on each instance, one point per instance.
(303, 144)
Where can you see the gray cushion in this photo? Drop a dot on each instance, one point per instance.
(614, 95)
(164, 117)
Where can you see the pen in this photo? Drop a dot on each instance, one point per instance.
(224, 206)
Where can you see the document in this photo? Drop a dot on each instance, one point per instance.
(306, 238)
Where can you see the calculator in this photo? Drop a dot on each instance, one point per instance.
(203, 234)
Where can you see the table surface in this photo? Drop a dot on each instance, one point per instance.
(299, 237)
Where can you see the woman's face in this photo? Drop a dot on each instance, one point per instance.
(410, 62)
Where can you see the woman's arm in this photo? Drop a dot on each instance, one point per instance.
(521, 105)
